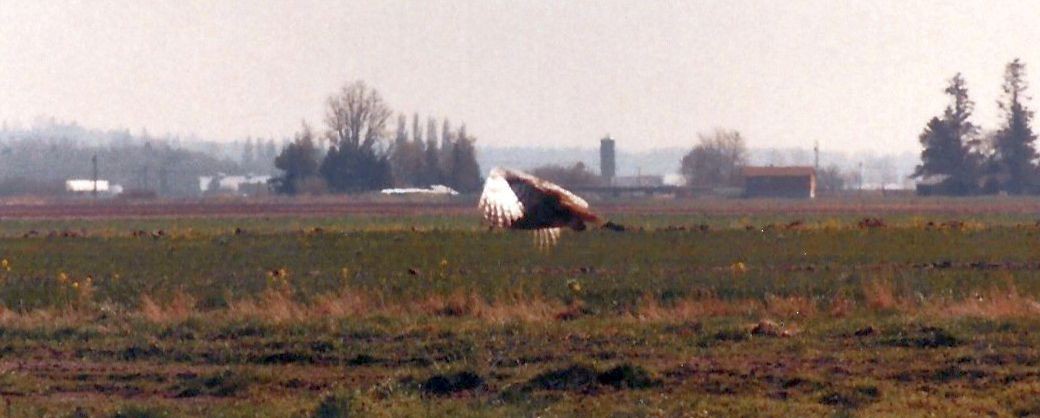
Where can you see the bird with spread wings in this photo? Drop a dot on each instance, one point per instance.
(516, 200)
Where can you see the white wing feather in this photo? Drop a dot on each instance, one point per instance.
(498, 202)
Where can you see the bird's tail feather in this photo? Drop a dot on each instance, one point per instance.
(546, 238)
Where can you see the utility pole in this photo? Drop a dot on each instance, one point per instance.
(861, 177)
(93, 162)
(162, 179)
(816, 155)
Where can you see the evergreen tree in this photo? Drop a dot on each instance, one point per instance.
(431, 161)
(465, 171)
(401, 136)
(350, 170)
(948, 143)
(399, 153)
(447, 153)
(1012, 162)
(298, 162)
(271, 150)
(416, 129)
(431, 130)
(248, 156)
(420, 149)
(406, 157)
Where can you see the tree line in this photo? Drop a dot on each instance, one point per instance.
(354, 152)
(40, 165)
(960, 159)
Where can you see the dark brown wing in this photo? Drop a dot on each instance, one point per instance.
(545, 203)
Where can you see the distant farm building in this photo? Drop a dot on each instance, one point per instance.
(639, 181)
(222, 184)
(787, 182)
(674, 179)
(436, 189)
(938, 185)
(81, 186)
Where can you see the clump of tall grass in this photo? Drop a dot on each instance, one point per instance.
(880, 295)
(179, 308)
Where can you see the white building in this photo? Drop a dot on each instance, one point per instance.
(87, 186)
(233, 184)
(434, 189)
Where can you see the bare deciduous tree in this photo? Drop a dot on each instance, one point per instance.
(356, 117)
(716, 160)
(830, 180)
(356, 122)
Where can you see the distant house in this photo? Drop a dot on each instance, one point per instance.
(787, 182)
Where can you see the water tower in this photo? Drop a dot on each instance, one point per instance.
(607, 166)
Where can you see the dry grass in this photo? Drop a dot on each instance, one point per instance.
(790, 306)
(881, 295)
(347, 303)
(273, 305)
(521, 308)
(650, 308)
(458, 303)
(179, 308)
(278, 305)
(841, 306)
(996, 302)
(46, 318)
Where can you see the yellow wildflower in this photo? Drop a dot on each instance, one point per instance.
(738, 268)
(574, 286)
(63, 278)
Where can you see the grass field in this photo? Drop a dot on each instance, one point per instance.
(768, 308)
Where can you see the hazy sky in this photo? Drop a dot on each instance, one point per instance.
(856, 75)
